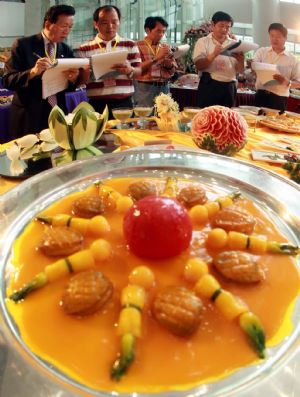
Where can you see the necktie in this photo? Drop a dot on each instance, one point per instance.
(52, 100)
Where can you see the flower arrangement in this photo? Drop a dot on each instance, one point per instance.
(73, 136)
(167, 111)
(220, 130)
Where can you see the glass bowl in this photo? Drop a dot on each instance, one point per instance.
(24, 373)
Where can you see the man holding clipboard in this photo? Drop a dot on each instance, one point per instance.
(217, 84)
(274, 93)
(30, 57)
(114, 89)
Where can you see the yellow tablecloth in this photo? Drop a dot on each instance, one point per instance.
(131, 138)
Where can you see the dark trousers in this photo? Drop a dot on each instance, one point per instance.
(267, 99)
(212, 92)
(99, 104)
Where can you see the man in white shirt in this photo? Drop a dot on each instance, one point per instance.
(218, 80)
(275, 96)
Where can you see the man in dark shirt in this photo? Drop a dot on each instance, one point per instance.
(30, 57)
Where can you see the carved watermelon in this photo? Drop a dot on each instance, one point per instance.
(220, 130)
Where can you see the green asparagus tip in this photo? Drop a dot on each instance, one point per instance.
(125, 359)
(250, 323)
(282, 248)
(21, 293)
(39, 281)
(44, 219)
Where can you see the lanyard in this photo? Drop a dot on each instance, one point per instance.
(100, 41)
(151, 48)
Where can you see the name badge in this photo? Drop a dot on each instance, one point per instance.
(109, 83)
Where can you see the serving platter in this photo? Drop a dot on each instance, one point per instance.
(281, 124)
(275, 194)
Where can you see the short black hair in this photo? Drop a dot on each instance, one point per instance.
(105, 9)
(55, 11)
(150, 22)
(221, 16)
(278, 26)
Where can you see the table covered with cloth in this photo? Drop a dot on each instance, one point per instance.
(188, 97)
(135, 138)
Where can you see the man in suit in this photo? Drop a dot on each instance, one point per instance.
(30, 57)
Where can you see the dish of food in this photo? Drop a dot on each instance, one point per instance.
(167, 171)
(284, 124)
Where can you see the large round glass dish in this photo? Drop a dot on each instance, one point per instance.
(23, 373)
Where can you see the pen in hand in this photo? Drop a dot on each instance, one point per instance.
(37, 55)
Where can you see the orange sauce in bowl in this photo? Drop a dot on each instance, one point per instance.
(85, 348)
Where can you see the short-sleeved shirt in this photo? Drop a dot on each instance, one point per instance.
(158, 71)
(122, 86)
(222, 68)
(287, 65)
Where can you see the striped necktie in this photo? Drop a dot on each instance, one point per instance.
(52, 99)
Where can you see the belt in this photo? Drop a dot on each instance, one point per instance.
(155, 83)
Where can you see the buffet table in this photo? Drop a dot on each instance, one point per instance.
(136, 138)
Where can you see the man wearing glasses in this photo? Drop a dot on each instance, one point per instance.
(30, 57)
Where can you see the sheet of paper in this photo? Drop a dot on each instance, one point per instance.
(265, 72)
(102, 63)
(180, 50)
(54, 79)
(237, 46)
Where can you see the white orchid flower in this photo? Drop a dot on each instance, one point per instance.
(17, 166)
(27, 141)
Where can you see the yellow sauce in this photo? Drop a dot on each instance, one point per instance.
(85, 348)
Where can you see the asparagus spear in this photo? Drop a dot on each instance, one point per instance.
(37, 282)
(126, 357)
(251, 324)
(282, 248)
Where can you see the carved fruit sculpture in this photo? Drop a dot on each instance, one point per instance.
(220, 130)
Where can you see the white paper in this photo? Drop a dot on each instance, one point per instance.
(180, 50)
(240, 46)
(102, 63)
(265, 72)
(54, 79)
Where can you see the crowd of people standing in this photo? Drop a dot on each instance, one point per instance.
(146, 72)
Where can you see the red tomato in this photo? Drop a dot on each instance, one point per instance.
(157, 228)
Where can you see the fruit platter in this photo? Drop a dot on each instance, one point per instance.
(130, 273)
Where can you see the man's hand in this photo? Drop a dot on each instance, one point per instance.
(163, 52)
(123, 68)
(71, 75)
(218, 49)
(239, 56)
(40, 66)
(281, 79)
